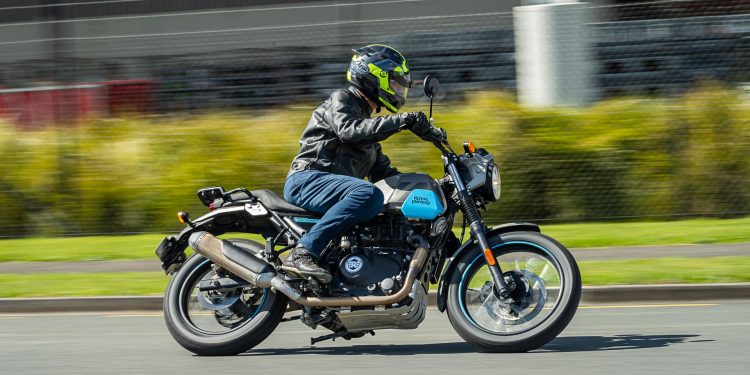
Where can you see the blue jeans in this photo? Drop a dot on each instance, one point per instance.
(343, 201)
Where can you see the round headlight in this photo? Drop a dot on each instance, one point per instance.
(491, 188)
(495, 182)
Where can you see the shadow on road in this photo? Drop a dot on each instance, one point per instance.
(618, 342)
(560, 344)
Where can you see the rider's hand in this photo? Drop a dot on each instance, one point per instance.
(418, 123)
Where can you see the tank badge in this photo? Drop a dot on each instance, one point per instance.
(422, 204)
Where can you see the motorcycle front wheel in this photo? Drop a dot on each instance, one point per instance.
(545, 297)
(225, 322)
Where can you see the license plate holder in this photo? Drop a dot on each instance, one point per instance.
(171, 255)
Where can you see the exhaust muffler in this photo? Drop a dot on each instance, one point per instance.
(263, 275)
(233, 259)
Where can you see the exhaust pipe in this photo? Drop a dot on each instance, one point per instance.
(227, 255)
(420, 255)
(261, 274)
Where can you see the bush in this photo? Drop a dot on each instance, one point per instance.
(629, 157)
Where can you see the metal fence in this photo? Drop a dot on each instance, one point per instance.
(661, 47)
(62, 61)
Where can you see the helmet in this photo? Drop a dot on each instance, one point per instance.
(380, 72)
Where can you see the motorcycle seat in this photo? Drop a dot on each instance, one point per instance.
(277, 204)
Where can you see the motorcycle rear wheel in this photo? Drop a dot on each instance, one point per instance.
(224, 323)
(547, 301)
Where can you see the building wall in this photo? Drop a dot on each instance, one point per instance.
(273, 54)
(89, 32)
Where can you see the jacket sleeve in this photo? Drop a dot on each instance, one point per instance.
(382, 167)
(353, 128)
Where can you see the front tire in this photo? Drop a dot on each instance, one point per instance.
(492, 326)
(245, 326)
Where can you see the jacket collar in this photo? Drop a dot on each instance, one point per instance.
(361, 101)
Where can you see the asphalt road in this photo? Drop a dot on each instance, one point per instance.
(667, 339)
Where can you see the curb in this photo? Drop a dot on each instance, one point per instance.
(591, 294)
(665, 292)
(80, 304)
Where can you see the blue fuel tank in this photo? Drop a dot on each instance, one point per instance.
(416, 195)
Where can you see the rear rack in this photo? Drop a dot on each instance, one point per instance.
(217, 197)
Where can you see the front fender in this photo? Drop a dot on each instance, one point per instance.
(442, 291)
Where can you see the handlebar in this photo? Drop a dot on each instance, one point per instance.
(439, 138)
(436, 133)
(439, 134)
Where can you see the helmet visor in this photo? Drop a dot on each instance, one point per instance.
(400, 83)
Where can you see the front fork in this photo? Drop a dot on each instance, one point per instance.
(502, 288)
(476, 225)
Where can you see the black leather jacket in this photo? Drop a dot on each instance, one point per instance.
(341, 138)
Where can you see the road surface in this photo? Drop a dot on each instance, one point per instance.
(694, 338)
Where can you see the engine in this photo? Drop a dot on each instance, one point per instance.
(372, 260)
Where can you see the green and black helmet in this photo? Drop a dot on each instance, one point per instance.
(380, 72)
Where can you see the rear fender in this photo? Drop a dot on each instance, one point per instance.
(248, 218)
(442, 291)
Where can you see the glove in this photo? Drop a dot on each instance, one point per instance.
(418, 123)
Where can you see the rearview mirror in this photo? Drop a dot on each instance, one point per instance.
(431, 86)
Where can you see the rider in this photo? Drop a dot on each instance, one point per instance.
(339, 147)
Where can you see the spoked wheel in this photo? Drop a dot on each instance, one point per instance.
(546, 291)
(221, 322)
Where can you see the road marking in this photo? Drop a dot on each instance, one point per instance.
(130, 315)
(649, 305)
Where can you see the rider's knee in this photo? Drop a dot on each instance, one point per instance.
(373, 199)
(376, 200)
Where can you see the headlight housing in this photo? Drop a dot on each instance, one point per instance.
(492, 185)
(480, 174)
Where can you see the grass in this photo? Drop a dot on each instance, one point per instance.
(79, 248)
(695, 231)
(57, 249)
(83, 284)
(638, 271)
(666, 271)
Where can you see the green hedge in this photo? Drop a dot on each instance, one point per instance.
(629, 157)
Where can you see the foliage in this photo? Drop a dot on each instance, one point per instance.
(621, 158)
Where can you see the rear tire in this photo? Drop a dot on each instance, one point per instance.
(535, 337)
(235, 341)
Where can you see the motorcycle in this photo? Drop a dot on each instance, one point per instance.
(508, 288)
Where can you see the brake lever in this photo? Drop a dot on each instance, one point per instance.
(443, 134)
(439, 134)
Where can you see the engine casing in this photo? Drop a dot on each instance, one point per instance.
(368, 272)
